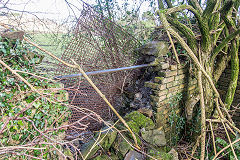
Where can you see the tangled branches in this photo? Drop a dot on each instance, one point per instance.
(34, 112)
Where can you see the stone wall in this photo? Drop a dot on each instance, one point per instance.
(170, 88)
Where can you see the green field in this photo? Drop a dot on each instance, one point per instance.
(54, 43)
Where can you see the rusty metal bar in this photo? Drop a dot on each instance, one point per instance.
(104, 71)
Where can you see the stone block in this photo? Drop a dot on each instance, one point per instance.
(162, 104)
(163, 92)
(173, 67)
(170, 73)
(132, 155)
(173, 89)
(146, 112)
(151, 85)
(155, 137)
(162, 98)
(165, 65)
(155, 48)
(171, 95)
(178, 77)
(181, 86)
(162, 87)
(161, 109)
(158, 79)
(193, 82)
(174, 154)
(177, 83)
(169, 85)
(108, 137)
(167, 80)
(154, 104)
(154, 98)
(160, 120)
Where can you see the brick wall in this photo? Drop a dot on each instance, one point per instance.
(170, 88)
(171, 83)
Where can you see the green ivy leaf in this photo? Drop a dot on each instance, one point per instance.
(20, 122)
(2, 49)
(37, 104)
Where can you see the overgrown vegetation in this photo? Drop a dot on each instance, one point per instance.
(29, 121)
(175, 119)
(206, 33)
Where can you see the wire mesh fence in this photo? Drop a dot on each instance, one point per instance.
(97, 44)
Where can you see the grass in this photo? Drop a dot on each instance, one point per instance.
(54, 43)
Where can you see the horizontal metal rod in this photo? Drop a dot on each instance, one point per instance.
(104, 71)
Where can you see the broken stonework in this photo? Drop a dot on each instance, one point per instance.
(154, 48)
(155, 137)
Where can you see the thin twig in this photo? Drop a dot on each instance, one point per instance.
(173, 46)
(19, 76)
(108, 103)
(215, 120)
(213, 138)
(36, 75)
(225, 148)
(229, 139)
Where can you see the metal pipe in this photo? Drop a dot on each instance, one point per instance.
(104, 71)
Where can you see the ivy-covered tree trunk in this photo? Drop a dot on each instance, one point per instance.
(212, 28)
(218, 43)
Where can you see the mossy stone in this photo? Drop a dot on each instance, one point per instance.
(155, 137)
(155, 48)
(107, 138)
(160, 154)
(137, 120)
(121, 145)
